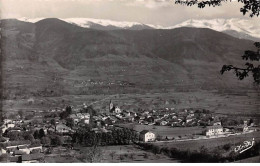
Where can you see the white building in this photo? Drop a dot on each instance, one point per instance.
(7, 126)
(118, 110)
(217, 123)
(147, 136)
(214, 130)
(85, 117)
(61, 128)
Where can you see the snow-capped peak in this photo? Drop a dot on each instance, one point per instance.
(247, 26)
(86, 22)
(244, 26)
(32, 20)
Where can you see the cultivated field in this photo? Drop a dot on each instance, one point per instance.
(131, 153)
(241, 104)
(167, 130)
(109, 154)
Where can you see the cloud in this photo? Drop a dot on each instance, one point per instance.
(150, 4)
(159, 12)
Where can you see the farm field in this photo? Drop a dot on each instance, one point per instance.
(122, 153)
(167, 130)
(61, 155)
(132, 154)
(241, 104)
(211, 143)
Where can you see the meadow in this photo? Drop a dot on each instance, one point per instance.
(168, 131)
(211, 143)
(244, 104)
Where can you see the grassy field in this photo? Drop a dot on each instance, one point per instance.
(167, 130)
(211, 143)
(132, 154)
(241, 104)
(61, 155)
(122, 153)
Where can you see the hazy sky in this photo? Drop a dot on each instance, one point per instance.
(158, 12)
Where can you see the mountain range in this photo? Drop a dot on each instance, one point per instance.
(52, 57)
(240, 28)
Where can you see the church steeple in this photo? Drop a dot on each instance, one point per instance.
(111, 107)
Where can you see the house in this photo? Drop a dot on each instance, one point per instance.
(126, 114)
(18, 153)
(150, 119)
(132, 113)
(113, 119)
(189, 120)
(75, 118)
(4, 139)
(191, 115)
(214, 130)
(83, 117)
(108, 122)
(61, 128)
(163, 123)
(10, 147)
(35, 148)
(117, 110)
(216, 123)
(7, 121)
(25, 149)
(2, 151)
(243, 128)
(147, 136)
(7, 126)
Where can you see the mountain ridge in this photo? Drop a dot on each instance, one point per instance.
(55, 57)
(235, 27)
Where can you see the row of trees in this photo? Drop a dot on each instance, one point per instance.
(116, 137)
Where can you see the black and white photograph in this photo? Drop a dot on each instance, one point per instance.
(129, 81)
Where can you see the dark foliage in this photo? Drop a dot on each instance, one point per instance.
(203, 155)
(41, 133)
(116, 137)
(250, 6)
(242, 73)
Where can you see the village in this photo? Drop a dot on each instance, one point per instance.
(28, 137)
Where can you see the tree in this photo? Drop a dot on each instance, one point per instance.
(53, 122)
(14, 136)
(28, 136)
(93, 154)
(242, 73)
(36, 134)
(155, 150)
(69, 122)
(57, 140)
(41, 133)
(146, 156)
(69, 109)
(46, 141)
(64, 115)
(20, 113)
(250, 6)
